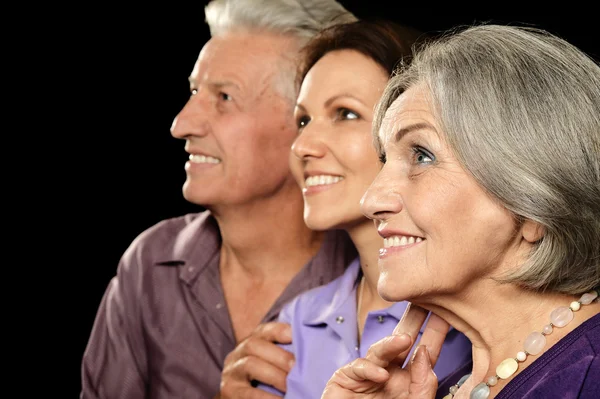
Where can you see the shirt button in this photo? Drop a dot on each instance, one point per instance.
(219, 305)
(339, 319)
(380, 319)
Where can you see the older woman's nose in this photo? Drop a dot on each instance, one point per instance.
(382, 199)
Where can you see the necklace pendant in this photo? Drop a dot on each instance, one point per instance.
(481, 391)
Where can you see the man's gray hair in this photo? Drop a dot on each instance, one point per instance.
(298, 19)
(301, 18)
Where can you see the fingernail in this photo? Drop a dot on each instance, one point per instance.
(423, 354)
(287, 333)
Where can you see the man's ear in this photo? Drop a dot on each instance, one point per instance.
(532, 231)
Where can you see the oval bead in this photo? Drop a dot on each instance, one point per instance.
(588, 297)
(507, 368)
(449, 396)
(534, 343)
(481, 391)
(561, 316)
(463, 379)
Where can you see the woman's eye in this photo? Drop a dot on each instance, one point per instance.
(302, 121)
(345, 113)
(423, 156)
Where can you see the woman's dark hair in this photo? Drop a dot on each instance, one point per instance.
(386, 42)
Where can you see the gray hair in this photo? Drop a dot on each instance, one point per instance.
(300, 19)
(521, 111)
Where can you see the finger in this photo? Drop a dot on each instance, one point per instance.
(360, 375)
(433, 337)
(411, 322)
(274, 331)
(385, 351)
(261, 344)
(423, 382)
(247, 392)
(252, 368)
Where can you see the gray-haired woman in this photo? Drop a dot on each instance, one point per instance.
(491, 147)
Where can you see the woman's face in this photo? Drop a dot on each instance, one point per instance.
(441, 230)
(333, 158)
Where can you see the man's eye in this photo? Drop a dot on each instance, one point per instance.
(225, 96)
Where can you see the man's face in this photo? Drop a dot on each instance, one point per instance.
(237, 125)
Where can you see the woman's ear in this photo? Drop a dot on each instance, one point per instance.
(532, 231)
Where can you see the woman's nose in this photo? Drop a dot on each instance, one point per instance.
(382, 199)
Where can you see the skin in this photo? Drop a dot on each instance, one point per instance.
(422, 190)
(237, 116)
(334, 112)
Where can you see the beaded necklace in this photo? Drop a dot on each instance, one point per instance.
(533, 345)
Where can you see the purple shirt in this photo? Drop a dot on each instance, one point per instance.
(325, 336)
(163, 329)
(570, 369)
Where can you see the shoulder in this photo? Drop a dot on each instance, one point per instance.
(163, 236)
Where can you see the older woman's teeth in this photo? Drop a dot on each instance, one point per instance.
(322, 180)
(400, 241)
(203, 159)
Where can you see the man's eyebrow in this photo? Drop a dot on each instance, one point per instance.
(216, 84)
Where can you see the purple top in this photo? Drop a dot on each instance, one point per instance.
(163, 329)
(569, 369)
(325, 336)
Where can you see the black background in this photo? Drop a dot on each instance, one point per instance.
(129, 80)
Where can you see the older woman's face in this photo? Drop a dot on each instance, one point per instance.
(333, 158)
(441, 231)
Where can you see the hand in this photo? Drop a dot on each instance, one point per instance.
(380, 373)
(258, 357)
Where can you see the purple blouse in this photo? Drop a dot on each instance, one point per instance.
(325, 337)
(570, 369)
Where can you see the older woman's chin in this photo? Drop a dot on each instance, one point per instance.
(392, 290)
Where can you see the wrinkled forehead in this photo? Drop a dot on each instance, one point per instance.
(412, 107)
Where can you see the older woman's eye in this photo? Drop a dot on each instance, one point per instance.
(345, 113)
(422, 156)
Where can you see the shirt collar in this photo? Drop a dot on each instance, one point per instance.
(194, 246)
(329, 299)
